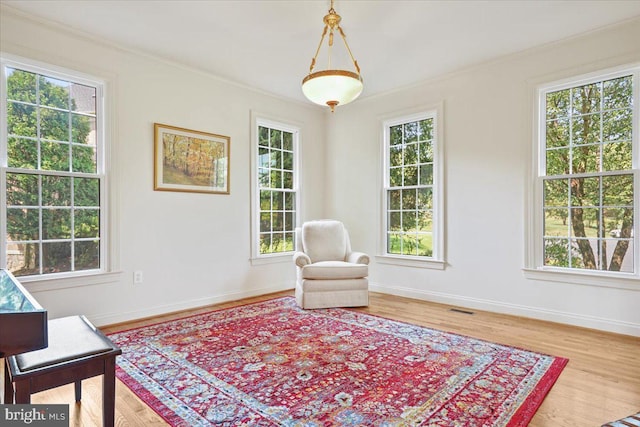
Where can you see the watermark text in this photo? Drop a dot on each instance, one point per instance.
(34, 415)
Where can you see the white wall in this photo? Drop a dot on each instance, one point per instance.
(488, 121)
(192, 248)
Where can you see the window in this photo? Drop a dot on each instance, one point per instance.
(275, 188)
(587, 174)
(411, 188)
(51, 173)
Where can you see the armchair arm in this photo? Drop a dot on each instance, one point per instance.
(301, 259)
(358, 258)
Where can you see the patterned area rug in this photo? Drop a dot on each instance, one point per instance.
(273, 364)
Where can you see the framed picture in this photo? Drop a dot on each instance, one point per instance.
(189, 160)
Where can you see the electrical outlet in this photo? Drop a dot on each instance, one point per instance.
(137, 276)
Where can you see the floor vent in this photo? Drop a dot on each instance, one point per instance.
(457, 310)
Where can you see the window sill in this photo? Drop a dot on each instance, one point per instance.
(273, 259)
(607, 280)
(432, 264)
(41, 284)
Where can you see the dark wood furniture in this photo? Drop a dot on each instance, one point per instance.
(67, 350)
(76, 351)
(23, 322)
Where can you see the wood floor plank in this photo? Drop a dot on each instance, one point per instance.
(601, 382)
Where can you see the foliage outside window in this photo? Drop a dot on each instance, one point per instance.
(51, 176)
(277, 189)
(587, 175)
(410, 186)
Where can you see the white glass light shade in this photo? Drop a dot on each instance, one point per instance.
(332, 87)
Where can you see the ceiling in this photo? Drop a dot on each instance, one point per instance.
(268, 44)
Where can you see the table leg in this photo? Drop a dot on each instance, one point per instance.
(78, 389)
(109, 392)
(22, 391)
(8, 386)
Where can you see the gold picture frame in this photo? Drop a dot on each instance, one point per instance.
(190, 161)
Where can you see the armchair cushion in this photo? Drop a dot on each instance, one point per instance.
(324, 240)
(334, 270)
(338, 292)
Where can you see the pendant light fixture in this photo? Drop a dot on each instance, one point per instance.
(332, 87)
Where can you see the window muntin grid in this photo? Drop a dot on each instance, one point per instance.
(410, 188)
(277, 190)
(587, 178)
(51, 177)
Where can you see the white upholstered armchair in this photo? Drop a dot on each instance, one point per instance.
(329, 273)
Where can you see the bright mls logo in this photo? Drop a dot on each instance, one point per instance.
(34, 415)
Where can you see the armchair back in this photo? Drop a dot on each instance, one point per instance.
(324, 240)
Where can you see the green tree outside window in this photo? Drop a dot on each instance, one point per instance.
(410, 189)
(52, 187)
(588, 183)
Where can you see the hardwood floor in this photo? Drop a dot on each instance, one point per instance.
(601, 382)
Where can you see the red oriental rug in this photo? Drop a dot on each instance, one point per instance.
(274, 364)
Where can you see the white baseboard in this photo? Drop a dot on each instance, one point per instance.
(592, 322)
(113, 318)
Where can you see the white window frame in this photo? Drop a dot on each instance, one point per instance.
(108, 270)
(437, 260)
(534, 251)
(258, 120)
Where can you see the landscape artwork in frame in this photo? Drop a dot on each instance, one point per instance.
(189, 160)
